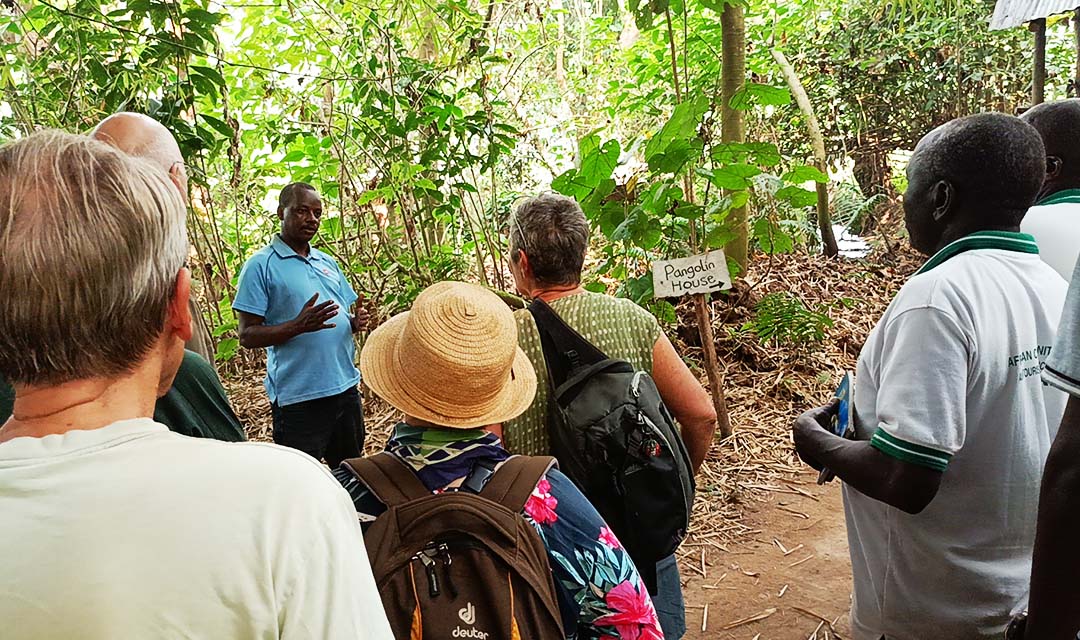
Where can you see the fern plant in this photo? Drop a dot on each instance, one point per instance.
(850, 208)
(783, 318)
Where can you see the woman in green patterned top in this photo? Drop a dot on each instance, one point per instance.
(549, 236)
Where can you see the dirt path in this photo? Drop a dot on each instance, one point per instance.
(756, 576)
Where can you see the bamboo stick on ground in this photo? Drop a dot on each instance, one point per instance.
(747, 620)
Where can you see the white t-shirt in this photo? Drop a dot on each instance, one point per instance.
(949, 379)
(1063, 367)
(131, 531)
(1056, 227)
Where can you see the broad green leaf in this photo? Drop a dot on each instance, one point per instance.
(610, 217)
(675, 157)
(690, 211)
(796, 196)
(597, 162)
(739, 199)
(805, 173)
(625, 230)
(681, 126)
(210, 73)
(572, 184)
(218, 125)
(226, 349)
(639, 289)
(650, 237)
(369, 196)
(658, 197)
(224, 328)
(734, 176)
(762, 94)
(719, 236)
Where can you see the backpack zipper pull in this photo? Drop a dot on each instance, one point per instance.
(444, 553)
(432, 576)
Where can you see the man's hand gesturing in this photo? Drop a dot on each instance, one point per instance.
(361, 317)
(315, 317)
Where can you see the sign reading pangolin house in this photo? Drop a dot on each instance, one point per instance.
(696, 274)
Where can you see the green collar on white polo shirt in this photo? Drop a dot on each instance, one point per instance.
(1059, 197)
(1007, 240)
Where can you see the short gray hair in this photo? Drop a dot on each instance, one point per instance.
(552, 231)
(91, 241)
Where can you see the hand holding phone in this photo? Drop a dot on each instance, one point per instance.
(843, 423)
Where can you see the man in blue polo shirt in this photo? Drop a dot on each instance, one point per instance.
(293, 300)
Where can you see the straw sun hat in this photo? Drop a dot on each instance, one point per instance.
(452, 360)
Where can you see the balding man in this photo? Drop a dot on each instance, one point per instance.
(1055, 218)
(114, 527)
(143, 137)
(196, 404)
(954, 423)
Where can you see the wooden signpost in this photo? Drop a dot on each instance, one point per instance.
(699, 275)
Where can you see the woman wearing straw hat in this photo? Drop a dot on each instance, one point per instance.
(549, 237)
(453, 367)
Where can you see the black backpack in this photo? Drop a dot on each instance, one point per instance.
(613, 436)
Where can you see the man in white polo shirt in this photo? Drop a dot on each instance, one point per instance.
(112, 525)
(953, 421)
(1055, 218)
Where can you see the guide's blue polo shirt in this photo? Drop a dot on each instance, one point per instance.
(275, 283)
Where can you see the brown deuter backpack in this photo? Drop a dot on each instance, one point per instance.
(460, 564)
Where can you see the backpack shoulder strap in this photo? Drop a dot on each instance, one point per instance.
(564, 348)
(515, 480)
(392, 482)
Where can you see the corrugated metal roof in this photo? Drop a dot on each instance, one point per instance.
(1013, 13)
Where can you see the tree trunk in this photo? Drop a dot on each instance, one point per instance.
(817, 142)
(1038, 73)
(871, 171)
(733, 129)
(560, 44)
(1076, 39)
(701, 305)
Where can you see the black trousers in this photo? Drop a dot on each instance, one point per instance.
(330, 427)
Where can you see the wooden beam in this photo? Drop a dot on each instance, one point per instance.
(1038, 72)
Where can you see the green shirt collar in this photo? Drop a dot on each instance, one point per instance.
(1059, 197)
(1007, 240)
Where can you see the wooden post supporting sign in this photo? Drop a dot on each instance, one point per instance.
(699, 276)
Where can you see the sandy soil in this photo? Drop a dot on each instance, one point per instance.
(808, 583)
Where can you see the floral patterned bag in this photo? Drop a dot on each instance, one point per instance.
(460, 564)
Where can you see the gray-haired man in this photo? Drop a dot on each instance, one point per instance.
(113, 526)
(196, 404)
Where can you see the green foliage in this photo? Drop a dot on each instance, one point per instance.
(850, 208)
(421, 124)
(783, 318)
(404, 146)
